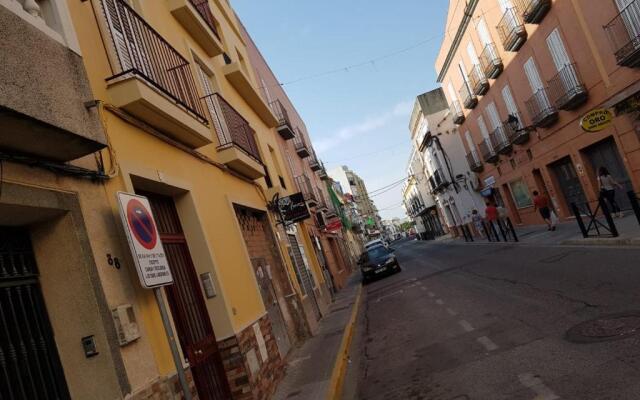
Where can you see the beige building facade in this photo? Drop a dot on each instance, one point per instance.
(520, 75)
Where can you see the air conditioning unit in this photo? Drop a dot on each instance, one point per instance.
(126, 326)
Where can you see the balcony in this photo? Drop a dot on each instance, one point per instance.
(469, 100)
(300, 145)
(474, 162)
(511, 30)
(491, 62)
(284, 127)
(303, 183)
(42, 110)
(533, 11)
(500, 141)
(314, 164)
(241, 82)
(437, 181)
(624, 35)
(567, 90)
(238, 147)
(153, 81)
(322, 173)
(196, 17)
(457, 113)
(478, 82)
(515, 130)
(489, 154)
(543, 114)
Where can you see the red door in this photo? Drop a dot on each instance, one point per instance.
(185, 298)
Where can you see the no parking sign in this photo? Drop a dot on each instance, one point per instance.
(144, 242)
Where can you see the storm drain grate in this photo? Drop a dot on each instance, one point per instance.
(606, 328)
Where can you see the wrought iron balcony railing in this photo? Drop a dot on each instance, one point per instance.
(533, 11)
(500, 140)
(314, 164)
(300, 144)
(143, 52)
(469, 100)
(474, 161)
(515, 129)
(624, 35)
(202, 6)
(488, 152)
(567, 89)
(478, 82)
(457, 113)
(437, 181)
(511, 30)
(284, 123)
(231, 127)
(303, 183)
(491, 61)
(542, 112)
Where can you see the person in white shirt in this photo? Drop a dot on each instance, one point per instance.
(608, 187)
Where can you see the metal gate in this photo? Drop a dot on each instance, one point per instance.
(303, 274)
(605, 154)
(189, 311)
(569, 183)
(29, 364)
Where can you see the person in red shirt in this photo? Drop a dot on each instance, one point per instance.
(491, 212)
(541, 203)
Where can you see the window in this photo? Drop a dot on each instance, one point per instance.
(483, 127)
(558, 51)
(512, 109)
(483, 32)
(520, 193)
(494, 118)
(532, 75)
(513, 163)
(529, 155)
(49, 16)
(473, 56)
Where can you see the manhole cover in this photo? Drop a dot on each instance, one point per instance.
(606, 328)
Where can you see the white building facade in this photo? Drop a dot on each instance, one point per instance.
(447, 175)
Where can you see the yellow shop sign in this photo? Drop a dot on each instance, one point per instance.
(596, 120)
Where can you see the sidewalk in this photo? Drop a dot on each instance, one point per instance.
(568, 233)
(310, 367)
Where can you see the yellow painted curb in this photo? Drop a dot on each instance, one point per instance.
(340, 366)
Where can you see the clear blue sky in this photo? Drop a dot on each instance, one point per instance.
(358, 117)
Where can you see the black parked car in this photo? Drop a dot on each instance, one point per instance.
(376, 261)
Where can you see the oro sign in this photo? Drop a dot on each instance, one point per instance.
(144, 242)
(596, 120)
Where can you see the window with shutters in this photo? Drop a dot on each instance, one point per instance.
(566, 88)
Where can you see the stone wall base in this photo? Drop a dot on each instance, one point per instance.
(253, 365)
(164, 388)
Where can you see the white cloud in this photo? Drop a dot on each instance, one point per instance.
(370, 124)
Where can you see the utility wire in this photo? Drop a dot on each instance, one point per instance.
(372, 61)
(387, 186)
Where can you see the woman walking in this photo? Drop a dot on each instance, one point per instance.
(608, 187)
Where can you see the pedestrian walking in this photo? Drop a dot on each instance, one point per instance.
(477, 222)
(608, 187)
(491, 212)
(541, 204)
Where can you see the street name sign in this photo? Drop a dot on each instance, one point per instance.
(144, 241)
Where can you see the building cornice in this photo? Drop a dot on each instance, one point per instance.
(462, 28)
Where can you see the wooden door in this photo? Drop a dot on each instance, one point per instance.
(187, 305)
(569, 183)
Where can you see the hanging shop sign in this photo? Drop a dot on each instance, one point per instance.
(596, 120)
(144, 241)
(333, 226)
(293, 209)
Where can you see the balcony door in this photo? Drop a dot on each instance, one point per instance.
(562, 61)
(537, 87)
(132, 54)
(512, 108)
(485, 133)
(494, 118)
(630, 11)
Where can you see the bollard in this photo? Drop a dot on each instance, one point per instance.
(607, 215)
(486, 231)
(470, 233)
(576, 213)
(512, 230)
(502, 231)
(495, 232)
(634, 204)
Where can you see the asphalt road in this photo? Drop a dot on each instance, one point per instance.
(490, 322)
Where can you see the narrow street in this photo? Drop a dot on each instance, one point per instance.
(490, 322)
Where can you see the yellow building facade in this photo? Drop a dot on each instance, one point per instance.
(187, 128)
